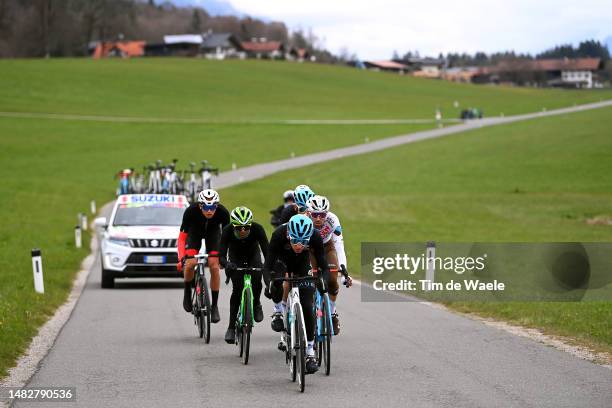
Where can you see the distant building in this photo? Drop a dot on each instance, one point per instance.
(262, 48)
(389, 66)
(221, 46)
(182, 45)
(423, 67)
(183, 39)
(122, 49)
(459, 74)
(567, 73)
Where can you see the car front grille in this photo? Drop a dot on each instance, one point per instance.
(152, 243)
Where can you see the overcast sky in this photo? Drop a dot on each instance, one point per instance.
(376, 28)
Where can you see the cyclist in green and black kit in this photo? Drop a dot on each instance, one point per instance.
(245, 240)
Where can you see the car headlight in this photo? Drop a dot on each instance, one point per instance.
(119, 241)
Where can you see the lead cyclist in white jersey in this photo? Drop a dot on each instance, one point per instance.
(328, 226)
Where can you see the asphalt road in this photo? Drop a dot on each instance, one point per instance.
(134, 346)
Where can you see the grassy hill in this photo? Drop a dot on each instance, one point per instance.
(55, 167)
(226, 90)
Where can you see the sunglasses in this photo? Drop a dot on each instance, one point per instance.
(205, 207)
(318, 215)
(242, 227)
(299, 241)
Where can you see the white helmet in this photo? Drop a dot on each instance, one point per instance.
(208, 197)
(318, 203)
(288, 194)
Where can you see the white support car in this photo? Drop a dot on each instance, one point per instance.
(140, 238)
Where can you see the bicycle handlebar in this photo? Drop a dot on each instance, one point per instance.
(240, 270)
(296, 279)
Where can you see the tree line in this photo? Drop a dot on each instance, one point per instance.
(589, 48)
(61, 28)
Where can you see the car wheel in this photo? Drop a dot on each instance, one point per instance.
(108, 279)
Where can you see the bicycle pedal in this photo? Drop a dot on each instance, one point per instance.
(282, 346)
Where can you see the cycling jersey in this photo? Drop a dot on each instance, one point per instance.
(243, 251)
(299, 264)
(196, 227)
(332, 231)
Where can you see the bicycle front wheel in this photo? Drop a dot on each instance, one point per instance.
(300, 354)
(327, 333)
(239, 338)
(246, 326)
(206, 316)
(198, 307)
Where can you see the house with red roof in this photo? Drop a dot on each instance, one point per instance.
(262, 48)
(389, 66)
(123, 49)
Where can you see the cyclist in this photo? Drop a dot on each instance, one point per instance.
(245, 240)
(202, 221)
(290, 244)
(301, 194)
(328, 225)
(276, 213)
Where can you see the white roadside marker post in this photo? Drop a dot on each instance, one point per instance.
(77, 236)
(234, 167)
(431, 265)
(84, 221)
(39, 285)
(92, 206)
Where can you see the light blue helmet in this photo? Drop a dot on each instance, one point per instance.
(302, 194)
(300, 227)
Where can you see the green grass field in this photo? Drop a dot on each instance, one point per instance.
(260, 90)
(536, 181)
(55, 167)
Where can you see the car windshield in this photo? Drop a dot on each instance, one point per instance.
(148, 215)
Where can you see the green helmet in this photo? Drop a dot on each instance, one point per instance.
(241, 216)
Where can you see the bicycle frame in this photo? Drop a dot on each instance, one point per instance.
(202, 262)
(201, 313)
(294, 308)
(319, 313)
(247, 286)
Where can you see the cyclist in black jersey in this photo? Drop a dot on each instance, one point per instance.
(202, 221)
(243, 242)
(291, 244)
(275, 220)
